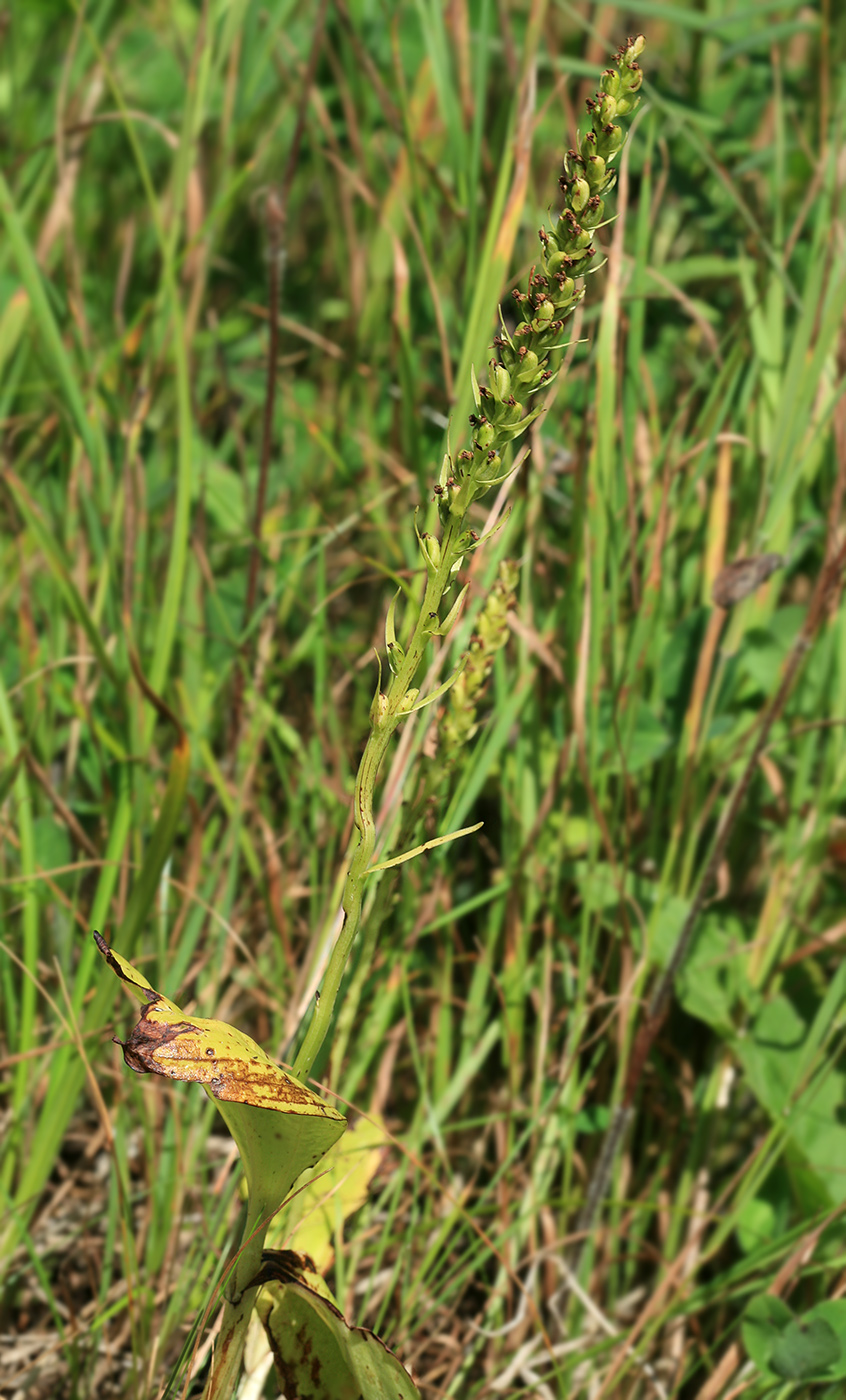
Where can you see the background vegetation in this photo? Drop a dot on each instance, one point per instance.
(414, 150)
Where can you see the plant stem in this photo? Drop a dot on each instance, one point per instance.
(389, 710)
(520, 371)
(229, 1348)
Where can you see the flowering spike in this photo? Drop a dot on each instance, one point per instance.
(502, 413)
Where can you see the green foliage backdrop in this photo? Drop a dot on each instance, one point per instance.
(393, 162)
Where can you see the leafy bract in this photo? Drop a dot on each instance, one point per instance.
(280, 1126)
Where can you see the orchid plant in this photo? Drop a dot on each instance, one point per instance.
(281, 1126)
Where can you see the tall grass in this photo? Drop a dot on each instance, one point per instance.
(510, 1033)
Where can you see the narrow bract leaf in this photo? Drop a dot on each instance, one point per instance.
(436, 694)
(390, 630)
(444, 628)
(427, 846)
(395, 651)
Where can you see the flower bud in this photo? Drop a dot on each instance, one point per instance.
(555, 263)
(485, 435)
(500, 381)
(431, 549)
(378, 709)
(579, 194)
(577, 237)
(595, 171)
(566, 292)
(592, 215)
(609, 141)
(528, 367)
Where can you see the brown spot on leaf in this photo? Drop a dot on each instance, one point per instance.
(148, 1037)
(226, 1061)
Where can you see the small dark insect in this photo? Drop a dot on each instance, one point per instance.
(736, 581)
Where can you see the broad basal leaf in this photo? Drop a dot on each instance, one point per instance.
(317, 1355)
(280, 1126)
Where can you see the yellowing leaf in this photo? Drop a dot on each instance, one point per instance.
(280, 1126)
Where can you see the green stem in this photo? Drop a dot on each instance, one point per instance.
(229, 1347)
(364, 835)
(521, 371)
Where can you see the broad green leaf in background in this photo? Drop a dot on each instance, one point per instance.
(764, 1320)
(802, 1086)
(808, 1348)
